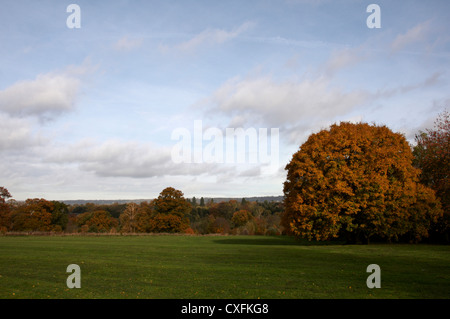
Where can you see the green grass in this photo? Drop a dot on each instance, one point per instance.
(217, 267)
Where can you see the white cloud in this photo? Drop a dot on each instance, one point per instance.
(403, 89)
(426, 121)
(413, 35)
(210, 37)
(285, 104)
(48, 95)
(117, 158)
(127, 44)
(344, 58)
(112, 158)
(15, 133)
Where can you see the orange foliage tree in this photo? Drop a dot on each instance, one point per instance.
(170, 210)
(172, 201)
(241, 217)
(33, 215)
(99, 221)
(144, 217)
(167, 223)
(357, 181)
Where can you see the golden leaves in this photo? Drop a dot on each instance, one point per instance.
(352, 177)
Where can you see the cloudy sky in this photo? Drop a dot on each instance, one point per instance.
(94, 112)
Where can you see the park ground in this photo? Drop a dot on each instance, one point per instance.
(217, 267)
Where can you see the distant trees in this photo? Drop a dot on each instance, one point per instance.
(241, 217)
(357, 181)
(224, 209)
(60, 215)
(170, 212)
(99, 221)
(168, 223)
(35, 214)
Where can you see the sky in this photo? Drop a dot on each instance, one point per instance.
(141, 95)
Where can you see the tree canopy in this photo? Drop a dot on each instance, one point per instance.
(171, 201)
(356, 181)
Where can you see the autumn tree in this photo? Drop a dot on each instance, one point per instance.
(224, 209)
(99, 221)
(170, 211)
(357, 181)
(129, 218)
(167, 223)
(144, 217)
(5, 212)
(241, 217)
(4, 195)
(218, 225)
(171, 201)
(33, 215)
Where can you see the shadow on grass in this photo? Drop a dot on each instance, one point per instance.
(273, 241)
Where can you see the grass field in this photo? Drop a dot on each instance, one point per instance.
(217, 267)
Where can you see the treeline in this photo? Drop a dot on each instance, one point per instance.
(169, 213)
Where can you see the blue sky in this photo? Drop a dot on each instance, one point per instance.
(88, 113)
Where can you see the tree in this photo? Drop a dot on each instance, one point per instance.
(129, 218)
(168, 223)
(171, 201)
(33, 215)
(5, 212)
(115, 209)
(432, 156)
(357, 181)
(224, 209)
(170, 211)
(99, 221)
(241, 217)
(144, 217)
(218, 225)
(60, 214)
(4, 194)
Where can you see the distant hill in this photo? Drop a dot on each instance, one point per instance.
(207, 200)
(250, 199)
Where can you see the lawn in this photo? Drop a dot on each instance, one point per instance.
(217, 267)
